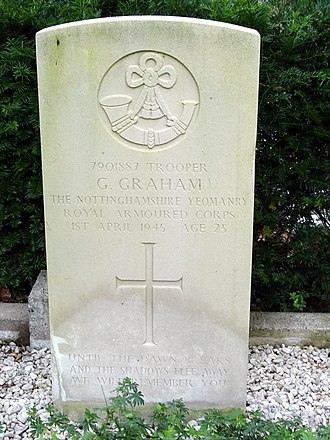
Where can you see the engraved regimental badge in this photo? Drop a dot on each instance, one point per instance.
(149, 99)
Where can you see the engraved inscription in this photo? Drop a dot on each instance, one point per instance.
(148, 284)
(151, 197)
(142, 113)
(172, 371)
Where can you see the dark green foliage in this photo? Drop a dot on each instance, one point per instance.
(21, 230)
(291, 246)
(183, 8)
(21, 215)
(169, 421)
(291, 231)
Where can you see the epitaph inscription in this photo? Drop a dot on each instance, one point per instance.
(190, 371)
(149, 283)
(152, 117)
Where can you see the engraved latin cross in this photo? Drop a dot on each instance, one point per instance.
(149, 283)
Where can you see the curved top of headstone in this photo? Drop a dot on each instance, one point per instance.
(152, 19)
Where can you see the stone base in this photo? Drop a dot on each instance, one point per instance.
(18, 322)
(14, 323)
(290, 329)
(38, 313)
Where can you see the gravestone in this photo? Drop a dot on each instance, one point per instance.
(148, 129)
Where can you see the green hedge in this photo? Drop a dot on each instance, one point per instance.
(291, 236)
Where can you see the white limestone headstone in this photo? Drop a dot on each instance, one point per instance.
(148, 129)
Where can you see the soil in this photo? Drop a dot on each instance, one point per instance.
(6, 297)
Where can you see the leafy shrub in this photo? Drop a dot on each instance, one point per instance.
(291, 227)
(22, 253)
(169, 421)
(292, 164)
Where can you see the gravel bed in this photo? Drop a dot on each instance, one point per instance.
(283, 382)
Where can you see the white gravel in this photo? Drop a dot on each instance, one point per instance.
(283, 382)
(290, 382)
